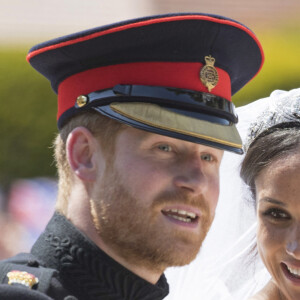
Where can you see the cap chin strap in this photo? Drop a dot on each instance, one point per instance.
(187, 100)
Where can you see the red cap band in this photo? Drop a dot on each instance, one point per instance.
(168, 74)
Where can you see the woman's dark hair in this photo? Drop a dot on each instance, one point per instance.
(271, 145)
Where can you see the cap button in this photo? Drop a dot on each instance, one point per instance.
(82, 100)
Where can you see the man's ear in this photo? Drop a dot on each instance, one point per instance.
(81, 150)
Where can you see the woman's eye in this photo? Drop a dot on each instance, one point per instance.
(277, 214)
(165, 148)
(207, 157)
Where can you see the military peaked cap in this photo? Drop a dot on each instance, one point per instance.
(170, 74)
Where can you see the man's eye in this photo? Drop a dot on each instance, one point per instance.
(207, 157)
(165, 148)
(277, 214)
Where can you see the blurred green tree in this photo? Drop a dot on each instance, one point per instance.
(281, 69)
(27, 119)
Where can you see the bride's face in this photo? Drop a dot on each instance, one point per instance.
(278, 214)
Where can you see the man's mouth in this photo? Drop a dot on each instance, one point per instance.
(181, 215)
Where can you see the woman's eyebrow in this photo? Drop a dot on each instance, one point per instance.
(271, 200)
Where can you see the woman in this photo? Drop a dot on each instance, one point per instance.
(227, 267)
(271, 169)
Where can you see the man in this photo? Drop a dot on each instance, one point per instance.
(144, 113)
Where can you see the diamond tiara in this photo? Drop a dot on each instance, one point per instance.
(283, 109)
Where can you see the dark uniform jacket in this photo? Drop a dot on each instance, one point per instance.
(69, 266)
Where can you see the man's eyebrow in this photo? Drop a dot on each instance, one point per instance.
(271, 200)
(147, 136)
(154, 136)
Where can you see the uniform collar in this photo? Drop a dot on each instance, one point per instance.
(85, 270)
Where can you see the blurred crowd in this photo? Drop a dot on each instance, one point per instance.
(25, 210)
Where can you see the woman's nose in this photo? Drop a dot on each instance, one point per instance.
(293, 242)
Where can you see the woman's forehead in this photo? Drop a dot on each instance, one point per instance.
(280, 180)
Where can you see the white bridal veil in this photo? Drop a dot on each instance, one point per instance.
(228, 266)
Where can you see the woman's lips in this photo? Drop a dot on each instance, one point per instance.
(291, 273)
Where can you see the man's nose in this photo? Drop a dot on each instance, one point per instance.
(293, 241)
(191, 176)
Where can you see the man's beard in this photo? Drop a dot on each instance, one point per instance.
(132, 228)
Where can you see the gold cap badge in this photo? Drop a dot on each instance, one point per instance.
(22, 277)
(209, 74)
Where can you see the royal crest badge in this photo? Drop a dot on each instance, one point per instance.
(209, 74)
(22, 277)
